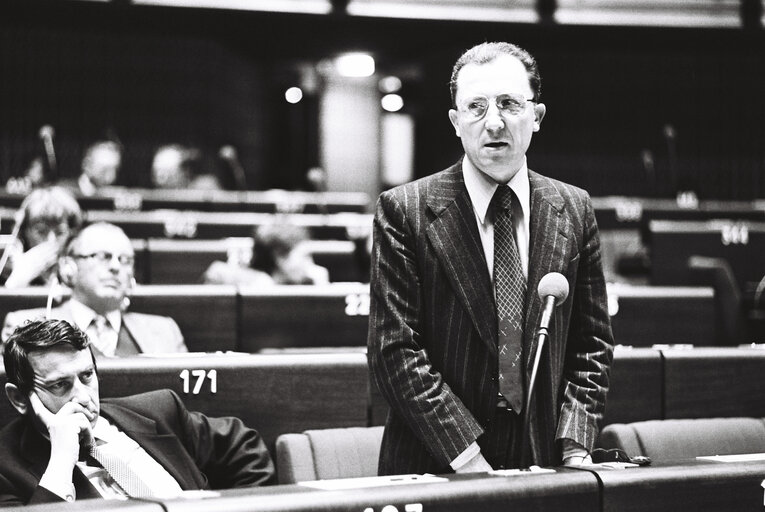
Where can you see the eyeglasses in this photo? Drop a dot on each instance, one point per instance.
(600, 455)
(509, 104)
(107, 257)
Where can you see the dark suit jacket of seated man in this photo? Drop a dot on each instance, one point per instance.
(52, 382)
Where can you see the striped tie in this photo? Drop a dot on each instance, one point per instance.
(510, 293)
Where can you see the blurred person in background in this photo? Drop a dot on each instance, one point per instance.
(179, 167)
(47, 218)
(279, 257)
(98, 267)
(99, 168)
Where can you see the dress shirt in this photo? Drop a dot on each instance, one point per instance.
(83, 316)
(481, 189)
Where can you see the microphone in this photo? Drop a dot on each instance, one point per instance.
(553, 291)
(669, 136)
(46, 134)
(650, 169)
(229, 155)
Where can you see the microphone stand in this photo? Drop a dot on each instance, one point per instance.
(542, 334)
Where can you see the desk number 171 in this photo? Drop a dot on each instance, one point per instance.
(200, 375)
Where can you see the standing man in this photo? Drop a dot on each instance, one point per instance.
(456, 263)
(68, 445)
(98, 267)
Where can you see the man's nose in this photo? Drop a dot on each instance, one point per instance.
(494, 121)
(81, 392)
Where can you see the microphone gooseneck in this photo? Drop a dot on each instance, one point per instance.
(553, 290)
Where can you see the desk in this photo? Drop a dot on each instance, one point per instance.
(304, 316)
(269, 201)
(642, 316)
(614, 212)
(636, 390)
(741, 243)
(568, 490)
(690, 485)
(712, 382)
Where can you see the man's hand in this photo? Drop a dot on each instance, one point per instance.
(68, 429)
(578, 460)
(36, 261)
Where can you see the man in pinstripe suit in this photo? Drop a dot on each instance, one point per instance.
(433, 326)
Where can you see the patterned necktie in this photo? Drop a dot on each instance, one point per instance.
(104, 337)
(127, 477)
(510, 294)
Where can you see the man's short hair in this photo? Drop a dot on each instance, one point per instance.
(485, 53)
(33, 336)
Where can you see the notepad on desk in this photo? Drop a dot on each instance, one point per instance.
(372, 481)
(744, 457)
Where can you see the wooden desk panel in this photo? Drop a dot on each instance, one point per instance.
(696, 486)
(274, 201)
(741, 243)
(714, 382)
(636, 386)
(570, 490)
(274, 394)
(642, 316)
(173, 261)
(335, 315)
(206, 314)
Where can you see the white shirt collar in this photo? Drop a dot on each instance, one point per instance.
(83, 316)
(481, 188)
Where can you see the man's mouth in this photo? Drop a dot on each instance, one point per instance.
(495, 145)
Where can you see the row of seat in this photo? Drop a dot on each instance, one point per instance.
(216, 225)
(249, 319)
(269, 201)
(289, 392)
(178, 261)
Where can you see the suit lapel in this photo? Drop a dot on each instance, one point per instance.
(165, 449)
(136, 331)
(549, 249)
(457, 244)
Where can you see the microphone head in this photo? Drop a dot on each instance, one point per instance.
(554, 284)
(669, 131)
(46, 131)
(227, 153)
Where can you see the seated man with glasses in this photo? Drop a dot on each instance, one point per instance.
(98, 267)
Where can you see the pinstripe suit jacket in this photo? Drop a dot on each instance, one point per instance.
(433, 326)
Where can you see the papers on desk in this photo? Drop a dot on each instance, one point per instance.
(745, 457)
(372, 481)
(533, 470)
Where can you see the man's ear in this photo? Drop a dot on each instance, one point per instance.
(453, 117)
(17, 398)
(67, 270)
(539, 113)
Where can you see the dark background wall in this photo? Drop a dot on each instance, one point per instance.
(153, 75)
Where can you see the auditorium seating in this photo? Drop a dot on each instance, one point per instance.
(674, 440)
(642, 316)
(173, 261)
(329, 453)
(303, 316)
(218, 317)
(672, 243)
(215, 225)
(269, 201)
